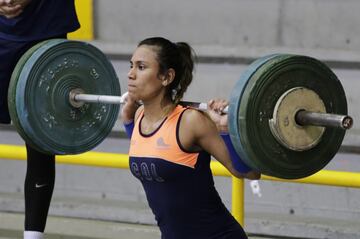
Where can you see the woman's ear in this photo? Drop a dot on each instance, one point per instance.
(168, 77)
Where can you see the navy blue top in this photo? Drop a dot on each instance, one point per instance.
(41, 19)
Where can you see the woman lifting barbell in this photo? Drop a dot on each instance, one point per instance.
(171, 145)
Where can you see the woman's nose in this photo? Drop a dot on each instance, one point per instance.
(131, 73)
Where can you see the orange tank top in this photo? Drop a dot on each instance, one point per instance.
(163, 143)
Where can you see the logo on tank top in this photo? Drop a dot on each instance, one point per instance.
(145, 171)
(160, 144)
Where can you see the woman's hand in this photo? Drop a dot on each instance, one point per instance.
(9, 11)
(215, 108)
(12, 8)
(5, 2)
(128, 109)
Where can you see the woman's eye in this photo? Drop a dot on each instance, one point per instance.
(141, 67)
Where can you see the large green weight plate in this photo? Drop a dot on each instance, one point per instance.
(235, 97)
(253, 108)
(39, 97)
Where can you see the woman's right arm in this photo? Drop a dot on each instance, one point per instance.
(129, 112)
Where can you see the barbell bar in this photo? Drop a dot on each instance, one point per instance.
(287, 113)
(302, 117)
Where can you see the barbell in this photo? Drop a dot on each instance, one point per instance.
(287, 113)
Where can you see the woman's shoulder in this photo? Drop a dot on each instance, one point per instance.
(195, 118)
(194, 124)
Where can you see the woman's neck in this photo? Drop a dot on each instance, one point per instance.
(157, 110)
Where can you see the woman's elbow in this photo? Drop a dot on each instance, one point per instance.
(253, 175)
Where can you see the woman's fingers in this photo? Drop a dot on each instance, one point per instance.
(10, 11)
(218, 105)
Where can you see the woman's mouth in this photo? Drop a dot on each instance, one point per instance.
(131, 87)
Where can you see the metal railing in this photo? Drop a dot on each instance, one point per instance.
(115, 160)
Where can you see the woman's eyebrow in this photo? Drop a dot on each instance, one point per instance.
(138, 62)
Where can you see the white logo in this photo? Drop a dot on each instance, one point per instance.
(40, 185)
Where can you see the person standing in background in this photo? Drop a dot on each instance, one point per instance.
(23, 24)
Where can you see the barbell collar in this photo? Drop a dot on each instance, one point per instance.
(304, 117)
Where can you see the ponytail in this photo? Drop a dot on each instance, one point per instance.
(186, 73)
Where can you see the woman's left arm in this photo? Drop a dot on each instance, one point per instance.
(206, 136)
(215, 109)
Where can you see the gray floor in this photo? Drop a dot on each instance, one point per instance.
(61, 227)
(66, 228)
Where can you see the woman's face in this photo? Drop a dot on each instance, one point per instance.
(144, 81)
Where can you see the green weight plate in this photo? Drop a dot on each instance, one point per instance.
(264, 87)
(42, 97)
(235, 97)
(12, 89)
